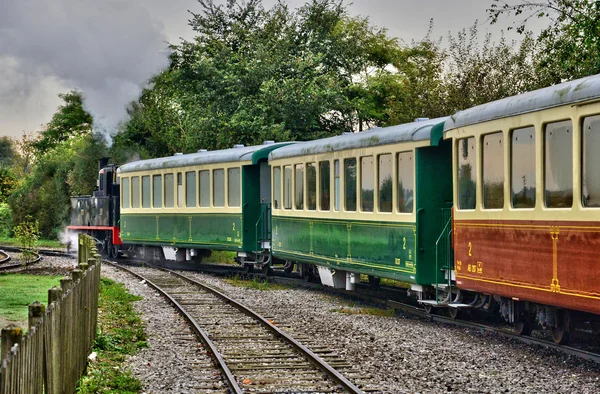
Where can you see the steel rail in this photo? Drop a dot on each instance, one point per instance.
(314, 358)
(6, 267)
(6, 259)
(229, 378)
(584, 354)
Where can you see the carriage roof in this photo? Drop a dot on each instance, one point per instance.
(573, 92)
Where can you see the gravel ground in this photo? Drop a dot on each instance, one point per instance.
(174, 361)
(404, 354)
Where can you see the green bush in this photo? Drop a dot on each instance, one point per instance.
(5, 220)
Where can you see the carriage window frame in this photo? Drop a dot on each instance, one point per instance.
(583, 156)
(191, 199)
(169, 192)
(288, 189)
(324, 186)
(367, 175)
(337, 185)
(401, 205)
(512, 166)
(146, 192)
(484, 158)
(218, 188)
(545, 166)
(389, 205)
(348, 202)
(277, 203)
(135, 192)
(299, 187)
(157, 191)
(204, 189)
(311, 186)
(234, 188)
(125, 193)
(474, 173)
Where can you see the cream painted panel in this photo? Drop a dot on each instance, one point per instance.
(575, 113)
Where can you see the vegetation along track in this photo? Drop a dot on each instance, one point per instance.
(253, 353)
(6, 262)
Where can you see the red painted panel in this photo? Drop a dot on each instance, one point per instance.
(116, 234)
(554, 263)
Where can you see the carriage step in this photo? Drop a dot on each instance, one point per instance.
(433, 303)
(459, 305)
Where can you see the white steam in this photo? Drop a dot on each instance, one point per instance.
(108, 49)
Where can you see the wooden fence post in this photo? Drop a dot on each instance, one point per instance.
(11, 335)
(54, 294)
(76, 274)
(65, 284)
(36, 313)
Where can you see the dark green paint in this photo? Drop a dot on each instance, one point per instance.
(208, 231)
(263, 154)
(250, 206)
(433, 193)
(382, 249)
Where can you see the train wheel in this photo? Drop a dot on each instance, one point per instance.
(288, 267)
(522, 324)
(454, 313)
(112, 250)
(374, 281)
(562, 332)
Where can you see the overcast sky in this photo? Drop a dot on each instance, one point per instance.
(109, 48)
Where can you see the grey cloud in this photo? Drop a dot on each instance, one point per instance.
(108, 49)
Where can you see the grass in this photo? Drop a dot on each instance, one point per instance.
(221, 257)
(371, 311)
(121, 333)
(387, 282)
(41, 243)
(17, 291)
(256, 284)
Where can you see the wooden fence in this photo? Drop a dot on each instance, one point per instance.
(53, 355)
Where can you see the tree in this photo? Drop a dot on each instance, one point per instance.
(69, 121)
(571, 42)
(8, 152)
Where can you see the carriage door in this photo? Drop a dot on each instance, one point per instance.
(265, 200)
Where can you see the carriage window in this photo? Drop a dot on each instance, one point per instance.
(590, 181)
(367, 184)
(522, 168)
(157, 191)
(287, 187)
(385, 183)
(276, 187)
(324, 185)
(146, 191)
(493, 171)
(190, 189)
(233, 187)
(558, 171)
(467, 181)
(406, 182)
(219, 188)
(350, 184)
(299, 186)
(135, 192)
(337, 185)
(311, 186)
(169, 191)
(125, 192)
(204, 186)
(179, 189)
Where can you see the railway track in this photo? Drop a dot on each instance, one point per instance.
(7, 263)
(381, 296)
(251, 352)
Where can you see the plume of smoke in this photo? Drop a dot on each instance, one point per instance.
(108, 49)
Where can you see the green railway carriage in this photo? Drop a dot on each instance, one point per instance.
(376, 202)
(181, 207)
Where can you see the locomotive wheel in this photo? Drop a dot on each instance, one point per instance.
(562, 332)
(112, 250)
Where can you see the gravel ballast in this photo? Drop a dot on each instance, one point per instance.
(403, 354)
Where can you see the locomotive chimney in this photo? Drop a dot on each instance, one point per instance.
(103, 162)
